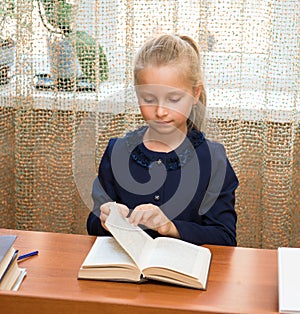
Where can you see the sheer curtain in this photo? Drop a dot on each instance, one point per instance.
(52, 134)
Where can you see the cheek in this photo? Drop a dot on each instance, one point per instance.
(147, 111)
(182, 111)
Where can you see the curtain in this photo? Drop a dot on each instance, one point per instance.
(66, 88)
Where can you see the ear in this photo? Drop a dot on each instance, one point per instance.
(197, 91)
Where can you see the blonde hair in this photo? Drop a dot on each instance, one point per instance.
(180, 51)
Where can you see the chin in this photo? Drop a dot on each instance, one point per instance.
(162, 127)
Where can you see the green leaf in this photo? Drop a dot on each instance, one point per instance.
(87, 55)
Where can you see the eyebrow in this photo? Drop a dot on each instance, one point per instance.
(173, 93)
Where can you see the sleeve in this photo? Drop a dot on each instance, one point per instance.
(215, 220)
(102, 192)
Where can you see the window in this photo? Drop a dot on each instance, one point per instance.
(250, 49)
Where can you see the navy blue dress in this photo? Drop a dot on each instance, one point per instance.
(193, 185)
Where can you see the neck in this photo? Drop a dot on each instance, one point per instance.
(163, 142)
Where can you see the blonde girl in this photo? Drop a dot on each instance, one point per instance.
(166, 176)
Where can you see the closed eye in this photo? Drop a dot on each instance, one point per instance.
(174, 100)
(148, 100)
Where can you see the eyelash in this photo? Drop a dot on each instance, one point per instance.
(151, 101)
(174, 100)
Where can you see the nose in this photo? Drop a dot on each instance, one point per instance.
(161, 110)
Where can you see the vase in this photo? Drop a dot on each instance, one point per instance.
(64, 65)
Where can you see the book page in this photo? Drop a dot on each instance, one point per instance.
(10, 277)
(107, 252)
(18, 282)
(132, 238)
(179, 256)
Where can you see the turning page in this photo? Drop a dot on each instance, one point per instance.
(132, 238)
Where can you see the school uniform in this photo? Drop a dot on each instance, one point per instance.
(194, 186)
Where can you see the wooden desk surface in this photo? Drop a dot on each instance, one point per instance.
(241, 280)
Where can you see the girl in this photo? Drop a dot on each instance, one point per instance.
(166, 176)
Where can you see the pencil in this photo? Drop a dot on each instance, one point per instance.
(27, 255)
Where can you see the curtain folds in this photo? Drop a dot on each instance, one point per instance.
(55, 120)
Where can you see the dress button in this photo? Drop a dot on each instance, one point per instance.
(156, 197)
(159, 161)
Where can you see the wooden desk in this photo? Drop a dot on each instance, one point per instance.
(241, 280)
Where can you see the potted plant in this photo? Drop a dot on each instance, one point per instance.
(74, 54)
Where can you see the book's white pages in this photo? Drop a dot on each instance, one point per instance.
(108, 257)
(164, 256)
(289, 279)
(158, 258)
(19, 280)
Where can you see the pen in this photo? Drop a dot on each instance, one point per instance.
(28, 255)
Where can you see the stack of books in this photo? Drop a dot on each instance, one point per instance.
(11, 275)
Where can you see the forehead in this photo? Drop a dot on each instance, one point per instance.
(169, 77)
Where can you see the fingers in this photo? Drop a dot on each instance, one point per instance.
(124, 210)
(105, 210)
(148, 215)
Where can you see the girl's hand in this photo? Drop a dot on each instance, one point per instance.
(152, 217)
(105, 210)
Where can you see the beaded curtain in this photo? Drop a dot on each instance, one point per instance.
(66, 88)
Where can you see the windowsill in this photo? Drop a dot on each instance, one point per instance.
(226, 103)
(254, 105)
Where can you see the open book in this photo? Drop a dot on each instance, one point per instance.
(132, 255)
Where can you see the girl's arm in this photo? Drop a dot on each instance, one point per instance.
(216, 224)
(93, 223)
(102, 193)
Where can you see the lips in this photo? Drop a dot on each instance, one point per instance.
(162, 122)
